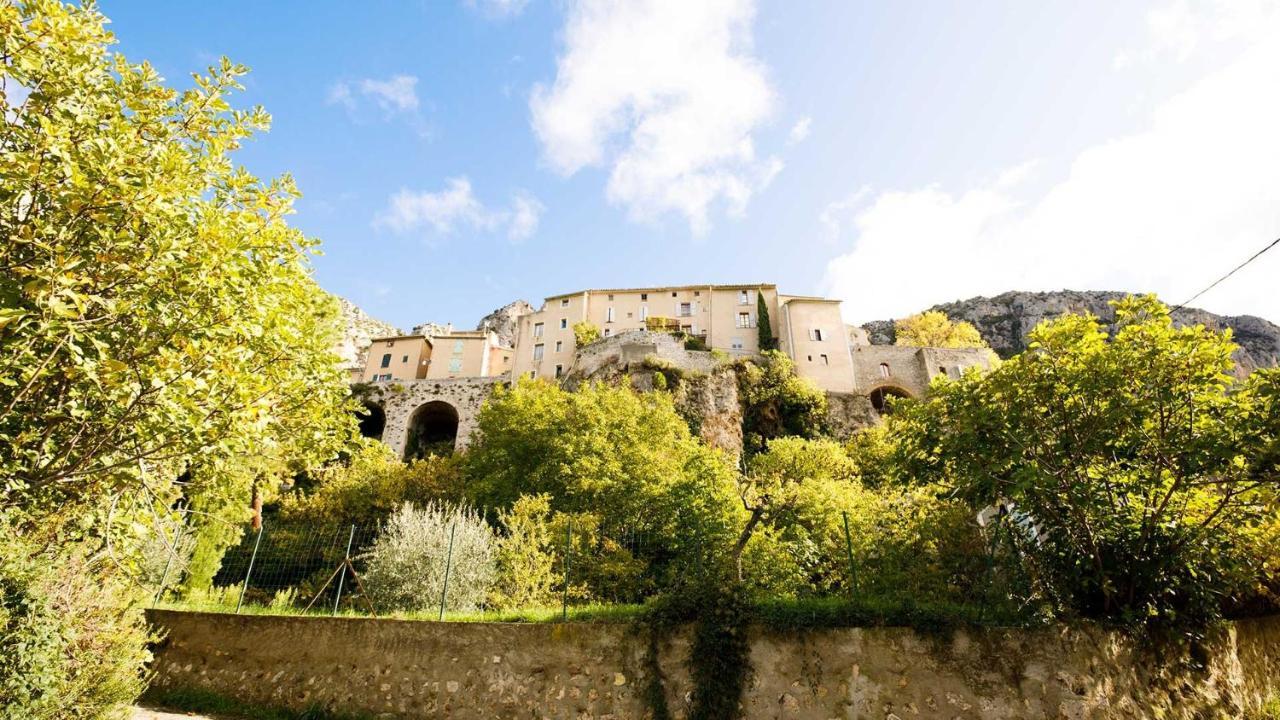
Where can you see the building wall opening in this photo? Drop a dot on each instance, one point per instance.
(433, 430)
(882, 398)
(373, 420)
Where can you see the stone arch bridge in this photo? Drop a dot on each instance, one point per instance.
(411, 416)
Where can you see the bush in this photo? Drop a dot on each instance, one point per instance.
(778, 403)
(585, 333)
(525, 556)
(406, 565)
(72, 634)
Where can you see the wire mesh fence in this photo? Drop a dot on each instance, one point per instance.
(454, 566)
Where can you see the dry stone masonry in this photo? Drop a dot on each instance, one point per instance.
(470, 671)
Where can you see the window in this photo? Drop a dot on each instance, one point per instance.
(455, 365)
(644, 296)
(608, 315)
(644, 312)
(744, 319)
(884, 369)
(673, 294)
(538, 350)
(686, 310)
(386, 360)
(404, 359)
(559, 370)
(564, 302)
(533, 374)
(825, 360)
(391, 343)
(610, 298)
(697, 293)
(744, 297)
(559, 345)
(537, 330)
(630, 315)
(736, 344)
(810, 358)
(564, 323)
(815, 334)
(457, 347)
(608, 331)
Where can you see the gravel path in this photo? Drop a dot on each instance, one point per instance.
(140, 713)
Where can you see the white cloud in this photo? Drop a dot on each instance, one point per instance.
(667, 95)
(395, 94)
(456, 208)
(526, 211)
(1166, 209)
(799, 131)
(499, 9)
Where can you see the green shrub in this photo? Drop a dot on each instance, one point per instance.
(72, 634)
(777, 403)
(406, 565)
(525, 556)
(585, 333)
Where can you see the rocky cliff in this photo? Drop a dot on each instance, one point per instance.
(359, 330)
(1006, 319)
(503, 321)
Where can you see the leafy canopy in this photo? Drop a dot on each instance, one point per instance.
(1134, 472)
(934, 329)
(157, 313)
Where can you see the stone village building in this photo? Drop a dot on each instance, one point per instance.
(427, 389)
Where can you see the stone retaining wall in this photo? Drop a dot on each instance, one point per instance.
(471, 670)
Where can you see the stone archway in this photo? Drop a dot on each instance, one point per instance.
(373, 420)
(433, 430)
(403, 401)
(881, 397)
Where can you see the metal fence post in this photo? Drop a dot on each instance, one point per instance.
(848, 548)
(245, 587)
(342, 576)
(448, 562)
(568, 550)
(164, 577)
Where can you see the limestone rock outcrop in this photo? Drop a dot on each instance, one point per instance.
(504, 321)
(359, 329)
(1006, 319)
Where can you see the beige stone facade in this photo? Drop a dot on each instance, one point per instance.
(458, 354)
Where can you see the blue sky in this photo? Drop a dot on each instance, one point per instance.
(454, 156)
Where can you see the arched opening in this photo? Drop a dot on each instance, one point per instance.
(373, 420)
(881, 398)
(433, 430)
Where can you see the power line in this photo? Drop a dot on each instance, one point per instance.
(1237, 268)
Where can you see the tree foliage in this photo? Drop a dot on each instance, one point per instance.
(1132, 470)
(156, 311)
(620, 455)
(585, 333)
(764, 327)
(776, 402)
(933, 328)
(406, 565)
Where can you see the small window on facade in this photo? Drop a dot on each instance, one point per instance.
(825, 361)
(457, 347)
(386, 360)
(697, 293)
(564, 323)
(644, 312)
(404, 359)
(608, 316)
(564, 302)
(537, 330)
(533, 374)
(673, 294)
(686, 309)
(455, 365)
(815, 334)
(644, 296)
(386, 376)
(744, 320)
(608, 332)
(538, 350)
(630, 315)
(559, 345)
(559, 370)
(884, 369)
(743, 297)
(810, 358)
(610, 298)
(736, 344)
